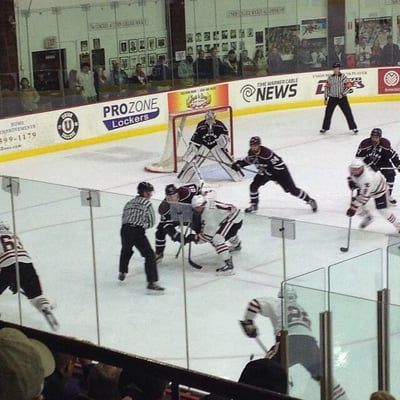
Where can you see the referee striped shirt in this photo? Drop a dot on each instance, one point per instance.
(139, 212)
(337, 86)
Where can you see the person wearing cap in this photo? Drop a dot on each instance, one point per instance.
(377, 152)
(137, 216)
(167, 226)
(337, 87)
(24, 363)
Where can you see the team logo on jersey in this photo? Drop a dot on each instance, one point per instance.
(67, 125)
(391, 78)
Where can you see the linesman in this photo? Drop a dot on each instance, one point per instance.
(337, 88)
(137, 216)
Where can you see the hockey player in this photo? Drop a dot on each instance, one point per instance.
(167, 226)
(377, 152)
(369, 184)
(271, 167)
(210, 139)
(302, 346)
(218, 227)
(14, 261)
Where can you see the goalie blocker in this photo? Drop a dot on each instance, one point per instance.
(209, 141)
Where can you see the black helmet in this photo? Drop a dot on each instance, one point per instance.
(144, 187)
(376, 132)
(336, 65)
(255, 140)
(170, 189)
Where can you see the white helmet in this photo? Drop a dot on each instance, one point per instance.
(290, 294)
(198, 201)
(357, 167)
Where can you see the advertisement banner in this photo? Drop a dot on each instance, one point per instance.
(389, 80)
(198, 98)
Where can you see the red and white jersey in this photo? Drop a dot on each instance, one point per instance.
(298, 321)
(8, 252)
(371, 184)
(218, 219)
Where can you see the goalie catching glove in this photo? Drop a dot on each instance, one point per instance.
(249, 328)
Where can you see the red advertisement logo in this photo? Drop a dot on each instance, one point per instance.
(389, 80)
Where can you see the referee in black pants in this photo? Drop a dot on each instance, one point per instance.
(137, 216)
(336, 89)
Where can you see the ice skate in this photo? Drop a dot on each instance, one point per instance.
(122, 276)
(154, 288)
(226, 269)
(251, 208)
(313, 204)
(392, 201)
(159, 257)
(233, 248)
(51, 319)
(323, 131)
(355, 131)
(366, 221)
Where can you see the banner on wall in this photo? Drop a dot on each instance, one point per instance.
(198, 98)
(389, 80)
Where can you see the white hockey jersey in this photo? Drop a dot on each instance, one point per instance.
(8, 253)
(298, 321)
(371, 184)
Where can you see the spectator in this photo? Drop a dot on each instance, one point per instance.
(103, 382)
(161, 74)
(29, 96)
(118, 79)
(390, 53)
(381, 395)
(41, 83)
(200, 68)
(318, 59)
(230, 65)
(139, 79)
(215, 66)
(86, 81)
(140, 386)
(275, 61)
(100, 83)
(338, 56)
(246, 65)
(363, 58)
(24, 363)
(304, 55)
(376, 54)
(61, 384)
(74, 92)
(185, 71)
(260, 63)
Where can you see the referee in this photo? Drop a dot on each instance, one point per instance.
(137, 216)
(336, 89)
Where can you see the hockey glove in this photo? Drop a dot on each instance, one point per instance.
(191, 238)
(351, 183)
(351, 211)
(236, 166)
(249, 328)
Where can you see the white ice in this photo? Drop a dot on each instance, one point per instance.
(153, 326)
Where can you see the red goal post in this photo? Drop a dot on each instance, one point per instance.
(181, 127)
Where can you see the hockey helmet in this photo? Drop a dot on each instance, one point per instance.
(198, 201)
(357, 167)
(209, 115)
(288, 293)
(336, 65)
(255, 140)
(145, 187)
(170, 189)
(376, 132)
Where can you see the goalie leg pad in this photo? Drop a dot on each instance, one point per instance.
(190, 170)
(224, 159)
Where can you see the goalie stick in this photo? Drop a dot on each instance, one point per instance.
(51, 319)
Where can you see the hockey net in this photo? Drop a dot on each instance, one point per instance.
(181, 127)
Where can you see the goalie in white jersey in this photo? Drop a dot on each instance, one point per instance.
(11, 251)
(369, 184)
(217, 223)
(210, 140)
(302, 345)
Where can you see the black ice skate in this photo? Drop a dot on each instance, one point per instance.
(122, 276)
(251, 208)
(313, 205)
(366, 221)
(226, 269)
(392, 201)
(51, 319)
(153, 288)
(159, 257)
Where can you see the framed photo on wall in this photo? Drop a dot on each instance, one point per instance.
(96, 44)
(151, 59)
(142, 60)
(151, 43)
(224, 34)
(133, 60)
(161, 43)
(133, 46)
(84, 46)
(142, 44)
(199, 36)
(123, 46)
(207, 36)
(189, 37)
(233, 34)
(124, 63)
(259, 37)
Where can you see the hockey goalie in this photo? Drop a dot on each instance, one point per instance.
(209, 141)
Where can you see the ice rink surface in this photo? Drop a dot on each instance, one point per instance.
(153, 326)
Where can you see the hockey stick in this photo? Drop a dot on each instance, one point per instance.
(191, 262)
(261, 344)
(180, 247)
(229, 165)
(346, 249)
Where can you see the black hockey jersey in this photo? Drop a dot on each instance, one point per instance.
(208, 135)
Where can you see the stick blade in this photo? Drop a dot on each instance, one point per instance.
(344, 249)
